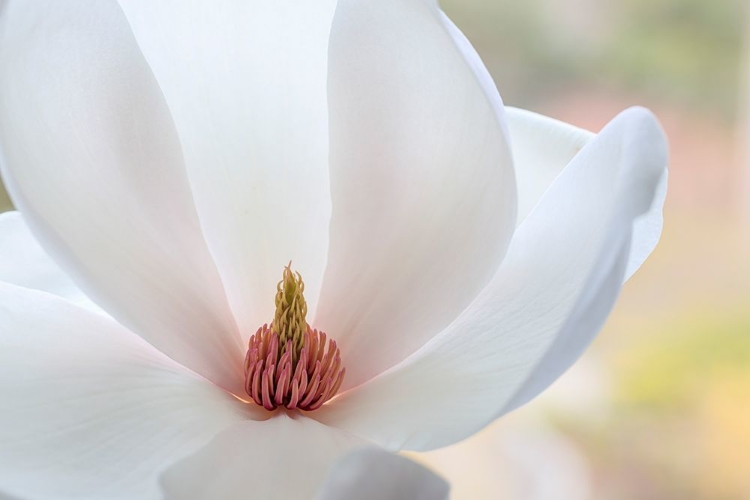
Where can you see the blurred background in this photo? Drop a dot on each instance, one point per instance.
(659, 407)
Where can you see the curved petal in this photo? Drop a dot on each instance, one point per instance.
(422, 182)
(373, 474)
(542, 147)
(280, 458)
(647, 229)
(481, 73)
(563, 271)
(246, 84)
(91, 158)
(24, 263)
(90, 410)
(538, 167)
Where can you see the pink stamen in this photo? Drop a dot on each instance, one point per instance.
(273, 378)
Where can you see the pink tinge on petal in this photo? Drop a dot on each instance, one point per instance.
(274, 378)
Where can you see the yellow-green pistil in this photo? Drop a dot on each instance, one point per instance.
(290, 319)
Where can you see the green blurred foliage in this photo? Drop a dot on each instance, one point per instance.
(523, 55)
(678, 426)
(683, 51)
(690, 357)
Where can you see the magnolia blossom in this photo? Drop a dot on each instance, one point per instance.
(170, 159)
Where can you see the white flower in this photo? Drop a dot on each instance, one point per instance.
(172, 157)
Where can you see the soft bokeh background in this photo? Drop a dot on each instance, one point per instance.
(659, 407)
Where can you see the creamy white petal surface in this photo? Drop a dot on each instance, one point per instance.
(90, 410)
(91, 158)
(372, 474)
(563, 271)
(24, 263)
(278, 459)
(422, 183)
(246, 84)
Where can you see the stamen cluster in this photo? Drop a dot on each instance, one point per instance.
(273, 378)
(289, 364)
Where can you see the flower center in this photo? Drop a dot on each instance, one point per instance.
(289, 364)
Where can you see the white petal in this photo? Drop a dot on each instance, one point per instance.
(24, 263)
(277, 459)
(246, 83)
(537, 167)
(90, 410)
(562, 274)
(422, 183)
(481, 73)
(647, 229)
(373, 474)
(542, 147)
(92, 160)
(5, 496)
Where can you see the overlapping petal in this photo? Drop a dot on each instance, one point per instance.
(542, 147)
(296, 457)
(246, 84)
(422, 182)
(91, 158)
(538, 167)
(90, 410)
(24, 263)
(281, 458)
(564, 269)
(373, 474)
